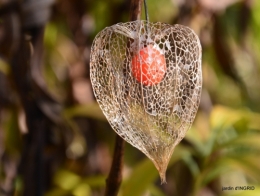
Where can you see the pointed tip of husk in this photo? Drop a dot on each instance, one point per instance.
(161, 167)
(163, 177)
(161, 163)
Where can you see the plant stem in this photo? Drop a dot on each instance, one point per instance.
(146, 11)
(115, 175)
(135, 9)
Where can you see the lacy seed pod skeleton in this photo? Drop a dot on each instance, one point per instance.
(147, 80)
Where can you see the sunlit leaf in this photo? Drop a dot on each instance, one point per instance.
(66, 179)
(4, 68)
(223, 116)
(82, 189)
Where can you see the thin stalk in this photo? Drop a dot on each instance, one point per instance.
(146, 11)
(115, 175)
(114, 179)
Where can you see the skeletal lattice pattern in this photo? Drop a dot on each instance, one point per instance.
(147, 80)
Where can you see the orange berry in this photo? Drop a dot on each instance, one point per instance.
(149, 66)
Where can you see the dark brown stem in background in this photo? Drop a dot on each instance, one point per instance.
(115, 175)
(24, 33)
(135, 9)
(34, 166)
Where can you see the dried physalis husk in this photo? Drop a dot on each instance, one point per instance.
(147, 80)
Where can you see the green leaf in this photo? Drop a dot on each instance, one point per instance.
(12, 140)
(191, 163)
(66, 180)
(91, 110)
(252, 141)
(4, 67)
(198, 144)
(212, 171)
(95, 181)
(82, 189)
(142, 176)
(224, 117)
(155, 191)
(249, 164)
(145, 173)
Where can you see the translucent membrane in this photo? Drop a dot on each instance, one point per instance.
(147, 80)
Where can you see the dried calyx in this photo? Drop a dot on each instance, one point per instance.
(148, 82)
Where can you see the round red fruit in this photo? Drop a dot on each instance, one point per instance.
(149, 66)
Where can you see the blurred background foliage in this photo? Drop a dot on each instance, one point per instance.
(221, 149)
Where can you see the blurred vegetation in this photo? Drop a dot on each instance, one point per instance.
(221, 149)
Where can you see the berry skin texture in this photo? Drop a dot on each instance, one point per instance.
(149, 66)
